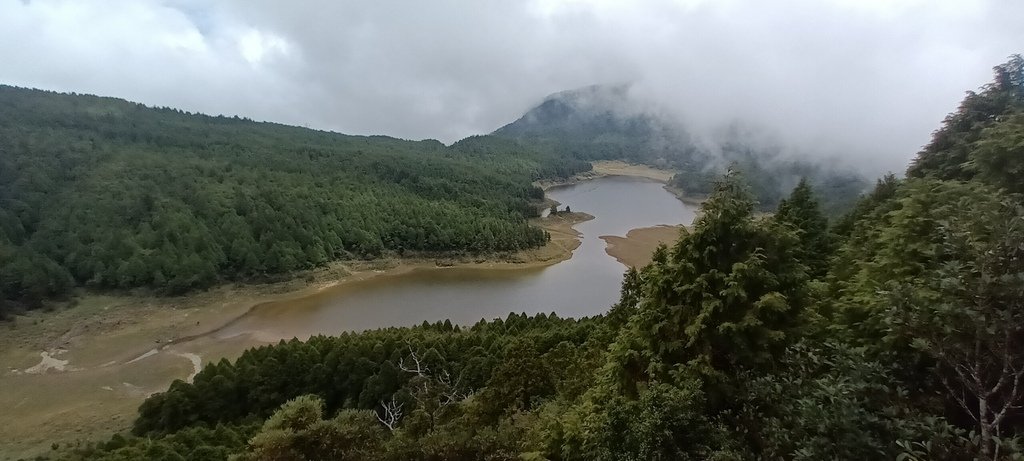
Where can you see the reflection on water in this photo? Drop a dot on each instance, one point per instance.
(585, 285)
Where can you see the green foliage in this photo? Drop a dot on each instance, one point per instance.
(665, 421)
(948, 155)
(769, 178)
(588, 123)
(908, 345)
(109, 194)
(194, 443)
(885, 189)
(906, 240)
(826, 401)
(520, 379)
(359, 371)
(998, 155)
(801, 212)
(298, 432)
(931, 282)
(945, 279)
(728, 294)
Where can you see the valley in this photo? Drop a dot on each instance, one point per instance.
(120, 349)
(601, 279)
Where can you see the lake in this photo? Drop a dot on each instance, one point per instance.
(587, 284)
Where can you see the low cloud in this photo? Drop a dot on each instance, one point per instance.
(865, 80)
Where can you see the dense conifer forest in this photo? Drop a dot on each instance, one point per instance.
(894, 332)
(104, 193)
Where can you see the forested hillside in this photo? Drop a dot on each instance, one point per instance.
(106, 193)
(607, 123)
(895, 333)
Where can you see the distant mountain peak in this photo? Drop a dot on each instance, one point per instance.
(588, 112)
(612, 122)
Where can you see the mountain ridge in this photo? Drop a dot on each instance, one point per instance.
(607, 122)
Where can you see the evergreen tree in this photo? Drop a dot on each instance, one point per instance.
(948, 154)
(998, 155)
(801, 211)
(112, 194)
(298, 432)
(729, 294)
(939, 288)
(728, 297)
(719, 349)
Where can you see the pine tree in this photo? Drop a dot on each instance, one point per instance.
(729, 295)
(801, 211)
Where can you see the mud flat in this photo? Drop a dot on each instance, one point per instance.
(620, 168)
(635, 249)
(605, 168)
(81, 372)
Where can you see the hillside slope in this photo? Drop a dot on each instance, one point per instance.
(111, 194)
(897, 336)
(608, 122)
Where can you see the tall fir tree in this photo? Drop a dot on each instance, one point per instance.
(802, 212)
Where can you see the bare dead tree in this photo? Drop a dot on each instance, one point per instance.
(418, 369)
(975, 330)
(987, 381)
(451, 392)
(432, 391)
(391, 413)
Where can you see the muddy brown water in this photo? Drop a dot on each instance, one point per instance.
(587, 284)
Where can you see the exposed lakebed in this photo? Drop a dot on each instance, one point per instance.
(587, 284)
(82, 372)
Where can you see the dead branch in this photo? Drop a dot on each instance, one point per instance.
(392, 413)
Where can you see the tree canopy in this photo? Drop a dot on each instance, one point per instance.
(898, 333)
(105, 193)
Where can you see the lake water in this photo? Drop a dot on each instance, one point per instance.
(587, 284)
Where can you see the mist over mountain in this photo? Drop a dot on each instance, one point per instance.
(834, 74)
(604, 122)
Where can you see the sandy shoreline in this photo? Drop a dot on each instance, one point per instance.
(635, 249)
(117, 349)
(564, 240)
(605, 168)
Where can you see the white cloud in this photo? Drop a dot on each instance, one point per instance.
(869, 79)
(256, 46)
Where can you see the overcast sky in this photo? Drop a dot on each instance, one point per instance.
(868, 79)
